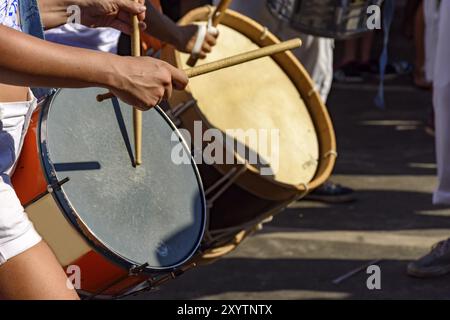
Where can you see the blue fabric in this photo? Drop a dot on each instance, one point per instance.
(388, 13)
(31, 24)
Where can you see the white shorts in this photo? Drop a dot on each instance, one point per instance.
(16, 230)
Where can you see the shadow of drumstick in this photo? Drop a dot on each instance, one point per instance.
(123, 129)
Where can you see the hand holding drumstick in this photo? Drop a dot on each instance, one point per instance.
(217, 17)
(221, 64)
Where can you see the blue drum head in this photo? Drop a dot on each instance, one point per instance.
(151, 214)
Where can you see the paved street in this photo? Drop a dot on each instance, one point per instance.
(387, 157)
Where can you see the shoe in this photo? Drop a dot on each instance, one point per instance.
(434, 264)
(393, 69)
(348, 73)
(429, 126)
(330, 192)
(420, 80)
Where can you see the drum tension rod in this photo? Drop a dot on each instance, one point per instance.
(135, 270)
(57, 185)
(50, 189)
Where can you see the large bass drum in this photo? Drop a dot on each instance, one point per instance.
(117, 224)
(273, 94)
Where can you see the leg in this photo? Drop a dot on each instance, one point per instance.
(28, 268)
(366, 47)
(442, 107)
(34, 274)
(350, 48)
(419, 39)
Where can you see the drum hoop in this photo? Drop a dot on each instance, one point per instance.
(70, 213)
(318, 178)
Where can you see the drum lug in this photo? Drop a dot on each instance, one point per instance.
(175, 113)
(51, 188)
(136, 270)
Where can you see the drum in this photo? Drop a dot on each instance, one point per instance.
(325, 18)
(119, 225)
(267, 95)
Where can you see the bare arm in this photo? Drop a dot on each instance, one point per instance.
(181, 37)
(31, 62)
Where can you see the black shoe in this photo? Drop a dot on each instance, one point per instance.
(434, 264)
(393, 69)
(429, 127)
(348, 73)
(330, 192)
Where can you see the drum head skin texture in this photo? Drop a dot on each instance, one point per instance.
(258, 95)
(151, 214)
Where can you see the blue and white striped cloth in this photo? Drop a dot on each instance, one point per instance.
(9, 14)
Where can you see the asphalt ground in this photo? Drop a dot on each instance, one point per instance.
(387, 157)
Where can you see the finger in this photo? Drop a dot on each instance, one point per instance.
(201, 55)
(206, 48)
(121, 26)
(142, 26)
(179, 77)
(168, 91)
(210, 39)
(131, 7)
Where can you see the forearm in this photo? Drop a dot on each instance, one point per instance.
(161, 26)
(31, 62)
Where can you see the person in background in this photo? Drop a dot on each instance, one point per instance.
(437, 261)
(431, 17)
(356, 60)
(357, 64)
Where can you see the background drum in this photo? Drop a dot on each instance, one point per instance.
(325, 18)
(119, 224)
(269, 93)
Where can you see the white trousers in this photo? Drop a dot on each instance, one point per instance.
(16, 231)
(441, 80)
(431, 15)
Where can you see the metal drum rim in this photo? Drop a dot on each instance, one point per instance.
(321, 175)
(77, 222)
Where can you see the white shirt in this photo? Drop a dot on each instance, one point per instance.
(9, 14)
(77, 35)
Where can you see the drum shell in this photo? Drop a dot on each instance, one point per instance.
(69, 246)
(251, 180)
(103, 272)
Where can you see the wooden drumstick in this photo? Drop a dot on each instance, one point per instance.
(218, 15)
(137, 114)
(231, 61)
(243, 57)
